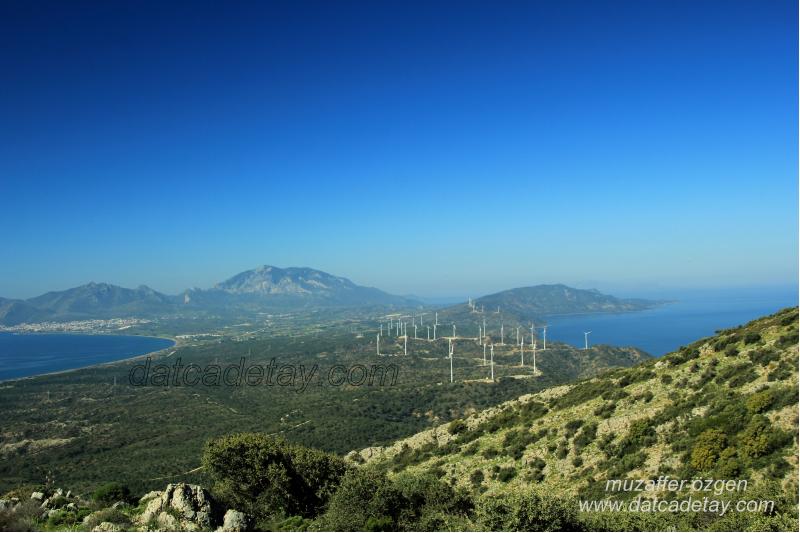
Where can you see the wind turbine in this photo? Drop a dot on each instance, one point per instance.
(522, 353)
(517, 334)
(378, 344)
(434, 331)
(454, 331)
(451, 363)
(533, 343)
(415, 331)
(429, 332)
(544, 337)
(586, 340)
(381, 328)
(492, 356)
(502, 339)
(436, 322)
(405, 345)
(484, 354)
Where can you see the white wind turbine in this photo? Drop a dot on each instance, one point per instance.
(378, 344)
(491, 351)
(586, 340)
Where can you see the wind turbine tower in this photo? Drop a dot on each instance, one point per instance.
(451, 363)
(502, 338)
(378, 344)
(415, 331)
(522, 353)
(492, 360)
(405, 345)
(429, 332)
(586, 340)
(454, 331)
(434, 331)
(544, 337)
(533, 344)
(484, 354)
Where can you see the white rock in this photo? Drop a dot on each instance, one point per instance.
(234, 521)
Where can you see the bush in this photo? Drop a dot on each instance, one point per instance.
(757, 438)
(456, 426)
(707, 448)
(266, 476)
(111, 493)
(527, 510)
(666, 379)
(752, 338)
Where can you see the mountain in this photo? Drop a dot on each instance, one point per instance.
(722, 408)
(263, 288)
(18, 311)
(102, 300)
(293, 286)
(525, 304)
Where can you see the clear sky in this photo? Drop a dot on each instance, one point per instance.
(433, 148)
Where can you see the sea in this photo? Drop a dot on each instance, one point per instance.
(30, 354)
(690, 316)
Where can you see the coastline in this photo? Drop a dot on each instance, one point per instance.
(175, 344)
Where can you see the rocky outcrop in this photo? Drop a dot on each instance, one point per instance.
(180, 507)
(234, 521)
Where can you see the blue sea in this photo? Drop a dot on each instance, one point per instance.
(26, 354)
(658, 331)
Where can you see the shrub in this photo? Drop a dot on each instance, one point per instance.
(111, 493)
(666, 379)
(757, 438)
(527, 510)
(752, 338)
(456, 426)
(707, 448)
(264, 476)
(365, 497)
(759, 402)
(506, 474)
(476, 478)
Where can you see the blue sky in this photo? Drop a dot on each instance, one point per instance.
(430, 148)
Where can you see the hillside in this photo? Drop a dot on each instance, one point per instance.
(724, 407)
(526, 305)
(91, 426)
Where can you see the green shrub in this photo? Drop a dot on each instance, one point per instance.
(111, 493)
(752, 338)
(707, 449)
(666, 379)
(527, 510)
(456, 426)
(265, 476)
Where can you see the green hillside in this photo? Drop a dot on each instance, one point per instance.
(722, 408)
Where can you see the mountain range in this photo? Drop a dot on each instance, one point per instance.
(269, 288)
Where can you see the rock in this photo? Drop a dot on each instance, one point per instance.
(68, 494)
(45, 503)
(190, 503)
(58, 492)
(107, 526)
(150, 495)
(52, 512)
(37, 496)
(234, 521)
(5, 504)
(117, 505)
(72, 507)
